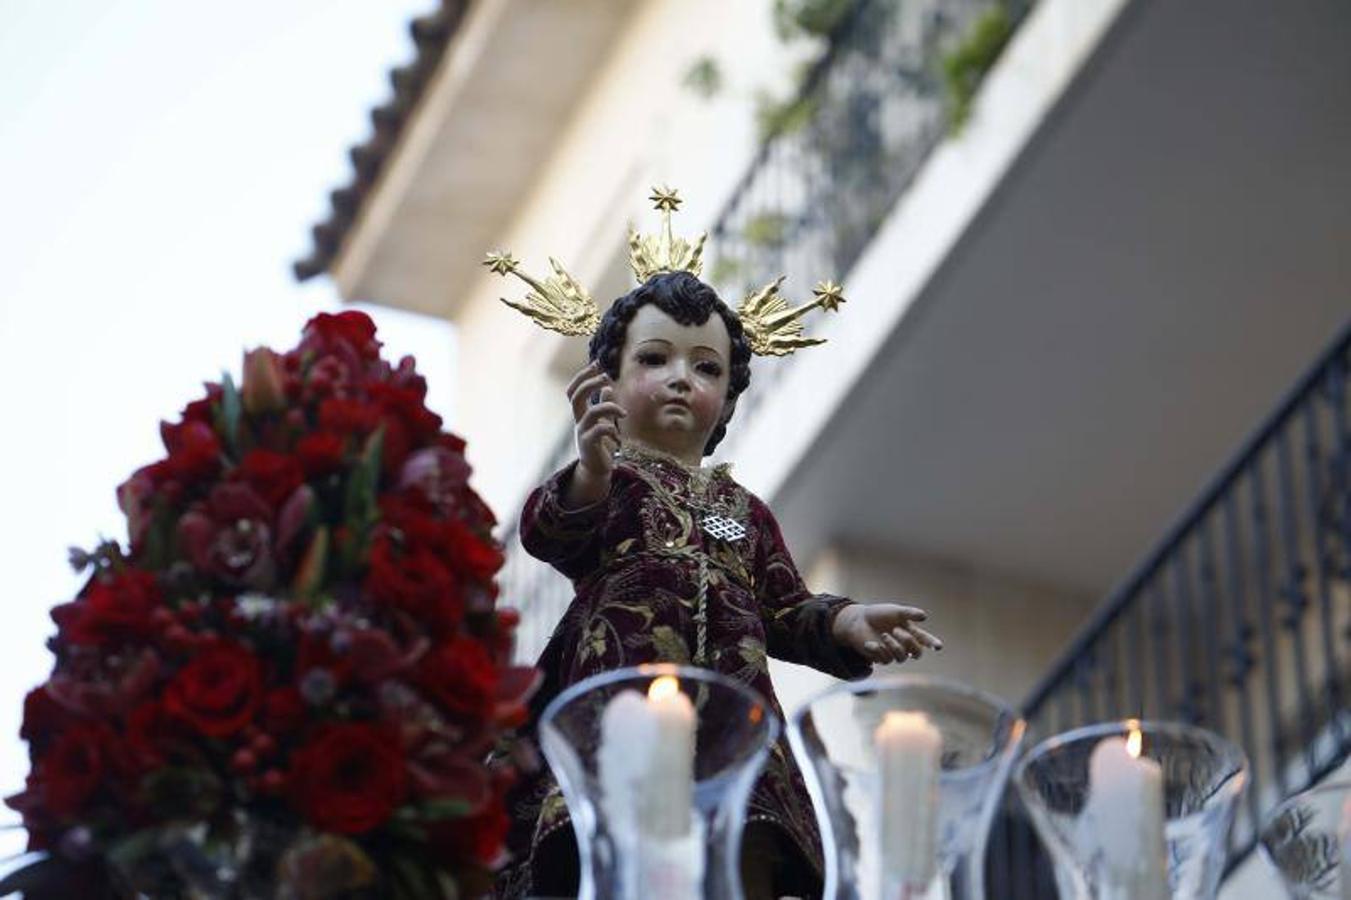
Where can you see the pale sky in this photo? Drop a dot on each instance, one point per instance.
(161, 162)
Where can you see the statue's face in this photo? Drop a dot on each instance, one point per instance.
(673, 382)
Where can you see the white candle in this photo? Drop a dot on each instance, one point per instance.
(671, 761)
(1125, 819)
(646, 763)
(909, 752)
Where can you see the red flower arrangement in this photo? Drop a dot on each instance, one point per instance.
(290, 682)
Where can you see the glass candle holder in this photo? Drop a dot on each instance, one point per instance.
(656, 764)
(1134, 810)
(905, 773)
(1308, 841)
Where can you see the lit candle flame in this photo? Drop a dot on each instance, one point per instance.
(1135, 743)
(663, 688)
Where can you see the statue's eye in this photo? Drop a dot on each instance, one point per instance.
(649, 358)
(710, 368)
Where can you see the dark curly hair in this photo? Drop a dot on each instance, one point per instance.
(690, 302)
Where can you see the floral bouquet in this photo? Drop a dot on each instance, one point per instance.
(289, 684)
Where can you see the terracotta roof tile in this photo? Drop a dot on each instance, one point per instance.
(431, 33)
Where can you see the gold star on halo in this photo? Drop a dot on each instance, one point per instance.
(829, 295)
(667, 199)
(501, 262)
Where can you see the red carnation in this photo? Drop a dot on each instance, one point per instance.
(274, 476)
(415, 581)
(348, 416)
(348, 777)
(218, 691)
(350, 327)
(482, 557)
(116, 608)
(194, 450)
(320, 453)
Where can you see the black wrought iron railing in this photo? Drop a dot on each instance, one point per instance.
(1239, 620)
(845, 149)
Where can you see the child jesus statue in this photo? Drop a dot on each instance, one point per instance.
(673, 561)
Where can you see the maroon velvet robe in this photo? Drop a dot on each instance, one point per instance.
(636, 560)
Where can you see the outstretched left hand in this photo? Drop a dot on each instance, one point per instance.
(884, 632)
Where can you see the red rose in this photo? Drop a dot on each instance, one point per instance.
(194, 450)
(118, 607)
(481, 557)
(415, 582)
(71, 771)
(348, 777)
(320, 453)
(461, 677)
(350, 327)
(274, 476)
(218, 691)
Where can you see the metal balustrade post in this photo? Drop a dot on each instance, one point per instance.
(1211, 616)
(1267, 617)
(1332, 687)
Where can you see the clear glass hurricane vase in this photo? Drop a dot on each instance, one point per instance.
(657, 788)
(1096, 818)
(905, 773)
(1307, 839)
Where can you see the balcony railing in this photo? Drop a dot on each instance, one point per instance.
(1238, 621)
(868, 115)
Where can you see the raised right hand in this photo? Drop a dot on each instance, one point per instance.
(596, 430)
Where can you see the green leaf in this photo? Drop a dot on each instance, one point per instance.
(703, 78)
(159, 536)
(230, 408)
(360, 512)
(966, 65)
(182, 792)
(442, 808)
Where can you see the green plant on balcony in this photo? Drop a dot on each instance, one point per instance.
(766, 229)
(774, 117)
(726, 270)
(809, 18)
(703, 78)
(965, 66)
